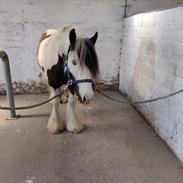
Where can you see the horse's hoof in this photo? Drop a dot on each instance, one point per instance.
(55, 129)
(54, 132)
(77, 131)
(75, 128)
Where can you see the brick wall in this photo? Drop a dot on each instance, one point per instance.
(152, 66)
(22, 22)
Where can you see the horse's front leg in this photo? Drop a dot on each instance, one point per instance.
(55, 123)
(72, 122)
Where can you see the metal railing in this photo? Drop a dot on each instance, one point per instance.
(8, 82)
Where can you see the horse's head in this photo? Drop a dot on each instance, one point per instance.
(82, 66)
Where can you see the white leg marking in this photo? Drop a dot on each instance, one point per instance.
(72, 122)
(55, 123)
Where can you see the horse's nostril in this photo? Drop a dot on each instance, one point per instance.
(84, 99)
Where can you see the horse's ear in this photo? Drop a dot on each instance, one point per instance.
(94, 38)
(72, 38)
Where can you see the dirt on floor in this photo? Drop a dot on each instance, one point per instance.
(116, 146)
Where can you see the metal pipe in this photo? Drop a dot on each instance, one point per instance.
(9, 89)
(125, 10)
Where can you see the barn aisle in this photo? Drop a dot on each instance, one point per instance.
(117, 146)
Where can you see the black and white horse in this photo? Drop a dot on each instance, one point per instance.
(72, 60)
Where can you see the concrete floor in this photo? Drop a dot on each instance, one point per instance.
(117, 146)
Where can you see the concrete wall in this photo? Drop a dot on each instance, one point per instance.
(139, 6)
(152, 66)
(23, 21)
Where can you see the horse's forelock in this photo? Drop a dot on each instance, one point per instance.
(87, 55)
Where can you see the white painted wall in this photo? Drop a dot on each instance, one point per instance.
(152, 66)
(23, 21)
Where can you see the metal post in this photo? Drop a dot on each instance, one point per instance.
(7, 75)
(125, 10)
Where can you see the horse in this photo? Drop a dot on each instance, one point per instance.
(68, 59)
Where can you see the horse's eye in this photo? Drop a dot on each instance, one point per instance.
(74, 62)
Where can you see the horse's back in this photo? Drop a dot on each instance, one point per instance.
(52, 42)
(44, 49)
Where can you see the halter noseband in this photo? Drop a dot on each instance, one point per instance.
(72, 82)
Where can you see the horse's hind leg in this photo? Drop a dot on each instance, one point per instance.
(55, 123)
(72, 122)
(64, 96)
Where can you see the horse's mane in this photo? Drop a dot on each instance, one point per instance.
(87, 55)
